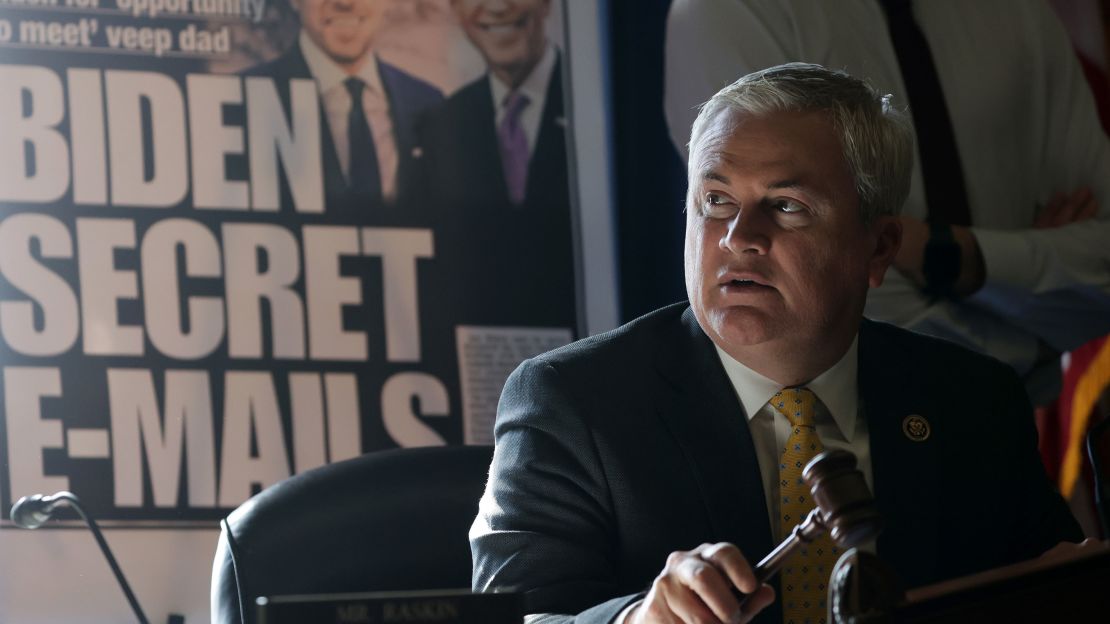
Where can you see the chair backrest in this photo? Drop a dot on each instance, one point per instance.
(386, 521)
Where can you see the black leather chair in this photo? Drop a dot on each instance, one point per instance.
(386, 521)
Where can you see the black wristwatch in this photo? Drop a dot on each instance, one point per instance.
(942, 261)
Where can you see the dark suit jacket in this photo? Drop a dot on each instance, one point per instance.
(409, 99)
(616, 450)
(491, 244)
(462, 159)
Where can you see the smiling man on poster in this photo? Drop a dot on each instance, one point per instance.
(500, 139)
(618, 455)
(495, 167)
(368, 149)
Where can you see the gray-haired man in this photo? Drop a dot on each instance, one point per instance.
(618, 455)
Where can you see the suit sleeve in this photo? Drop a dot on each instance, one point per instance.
(545, 523)
(1039, 517)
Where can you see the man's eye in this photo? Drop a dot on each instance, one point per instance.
(717, 205)
(788, 206)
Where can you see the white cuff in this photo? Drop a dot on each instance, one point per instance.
(1008, 258)
(623, 615)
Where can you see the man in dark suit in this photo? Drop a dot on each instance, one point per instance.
(495, 167)
(369, 149)
(618, 455)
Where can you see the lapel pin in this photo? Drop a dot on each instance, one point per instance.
(916, 428)
(417, 152)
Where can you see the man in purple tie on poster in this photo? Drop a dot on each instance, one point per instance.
(495, 164)
(500, 138)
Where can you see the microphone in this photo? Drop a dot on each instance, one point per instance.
(31, 512)
(844, 508)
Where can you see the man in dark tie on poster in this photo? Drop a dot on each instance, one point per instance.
(618, 455)
(495, 164)
(369, 107)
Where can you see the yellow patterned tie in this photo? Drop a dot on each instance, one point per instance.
(805, 575)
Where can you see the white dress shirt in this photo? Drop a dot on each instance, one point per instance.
(1025, 126)
(839, 424)
(336, 100)
(535, 87)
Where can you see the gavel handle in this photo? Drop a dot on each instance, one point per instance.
(804, 533)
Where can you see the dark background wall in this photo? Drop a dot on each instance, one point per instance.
(650, 176)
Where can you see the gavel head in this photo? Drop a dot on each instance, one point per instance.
(842, 497)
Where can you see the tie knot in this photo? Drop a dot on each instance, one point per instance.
(354, 87)
(515, 103)
(797, 404)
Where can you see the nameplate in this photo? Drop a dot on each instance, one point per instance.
(420, 607)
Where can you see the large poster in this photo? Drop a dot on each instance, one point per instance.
(243, 238)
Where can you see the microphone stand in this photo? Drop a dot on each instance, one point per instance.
(1101, 488)
(75, 502)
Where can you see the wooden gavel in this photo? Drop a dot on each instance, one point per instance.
(844, 508)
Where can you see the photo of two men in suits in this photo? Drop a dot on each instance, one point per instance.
(475, 159)
(486, 166)
(459, 132)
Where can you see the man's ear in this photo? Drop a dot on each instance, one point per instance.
(887, 233)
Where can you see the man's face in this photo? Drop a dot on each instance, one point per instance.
(778, 260)
(508, 33)
(343, 29)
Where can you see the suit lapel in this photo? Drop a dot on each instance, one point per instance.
(700, 408)
(905, 471)
(487, 156)
(404, 126)
(334, 184)
(550, 155)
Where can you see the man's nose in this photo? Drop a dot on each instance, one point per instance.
(747, 232)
